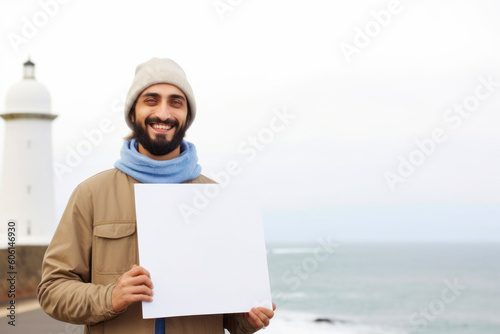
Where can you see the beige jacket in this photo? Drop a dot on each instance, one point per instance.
(94, 244)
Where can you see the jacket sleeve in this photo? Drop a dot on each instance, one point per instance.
(236, 323)
(65, 292)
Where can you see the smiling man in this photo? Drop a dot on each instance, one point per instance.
(90, 273)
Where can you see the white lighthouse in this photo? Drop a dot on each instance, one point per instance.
(27, 189)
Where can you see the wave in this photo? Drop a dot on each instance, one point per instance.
(290, 322)
(303, 250)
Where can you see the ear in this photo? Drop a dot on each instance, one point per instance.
(131, 113)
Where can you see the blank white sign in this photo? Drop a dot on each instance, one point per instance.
(204, 247)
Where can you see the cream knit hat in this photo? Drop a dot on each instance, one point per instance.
(154, 71)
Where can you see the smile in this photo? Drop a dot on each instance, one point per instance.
(161, 127)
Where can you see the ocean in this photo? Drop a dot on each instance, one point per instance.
(382, 288)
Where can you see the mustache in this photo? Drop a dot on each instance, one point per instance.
(169, 121)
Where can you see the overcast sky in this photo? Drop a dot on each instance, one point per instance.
(375, 120)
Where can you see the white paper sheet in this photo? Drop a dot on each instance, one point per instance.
(204, 247)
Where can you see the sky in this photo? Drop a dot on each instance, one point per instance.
(360, 120)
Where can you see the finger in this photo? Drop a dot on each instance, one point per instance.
(263, 318)
(268, 313)
(139, 280)
(274, 306)
(132, 298)
(254, 320)
(138, 270)
(138, 290)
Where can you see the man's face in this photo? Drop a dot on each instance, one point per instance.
(160, 118)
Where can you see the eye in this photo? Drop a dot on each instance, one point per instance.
(176, 103)
(150, 100)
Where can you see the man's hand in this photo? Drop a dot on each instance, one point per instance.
(260, 317)
(133, 286)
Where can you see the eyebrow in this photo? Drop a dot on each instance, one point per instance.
(171, 96)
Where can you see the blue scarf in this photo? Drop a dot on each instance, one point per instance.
(146, 170)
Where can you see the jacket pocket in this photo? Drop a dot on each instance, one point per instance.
(114, 249)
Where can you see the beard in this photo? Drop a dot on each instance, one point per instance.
(159, 145)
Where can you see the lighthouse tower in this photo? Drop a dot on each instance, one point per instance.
(27, 189)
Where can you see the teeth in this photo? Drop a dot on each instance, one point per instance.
(162, 126)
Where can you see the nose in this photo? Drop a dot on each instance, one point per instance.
(163, 111)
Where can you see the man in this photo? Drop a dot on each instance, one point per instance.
(90, 273)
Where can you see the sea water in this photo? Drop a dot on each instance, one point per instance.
(402, 288)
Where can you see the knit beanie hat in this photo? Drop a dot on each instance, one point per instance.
(154, 71)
